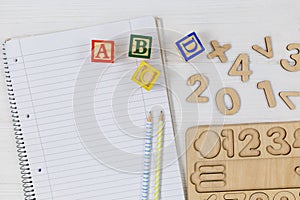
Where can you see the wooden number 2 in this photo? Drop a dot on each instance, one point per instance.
(251, 149)
(296, 57)
(196, 97)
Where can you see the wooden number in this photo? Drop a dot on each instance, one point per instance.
(297, 138)
(284, 148)
(235, 196)
(235, 100)
(296, 57)
(266, 86)
(259, 196)
(208, 144)
(284, 195)
(251, 149)
(269, 52)
(196, 97)
(243, 61)
(228, 142)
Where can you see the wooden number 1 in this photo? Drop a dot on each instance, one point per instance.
(266, 86)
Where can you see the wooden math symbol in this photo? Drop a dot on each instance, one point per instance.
(219, 51)
(269, 50)
(207, 176)
(285, 97)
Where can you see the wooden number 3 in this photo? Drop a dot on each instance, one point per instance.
(296, 57)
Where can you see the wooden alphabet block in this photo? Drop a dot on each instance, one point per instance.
(103, 51)
(190, 46)
(145, 75)
(140, 46)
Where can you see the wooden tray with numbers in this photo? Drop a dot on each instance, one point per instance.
(259, 161)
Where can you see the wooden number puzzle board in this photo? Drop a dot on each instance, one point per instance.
(258, 161)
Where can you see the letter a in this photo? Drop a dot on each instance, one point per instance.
(102, 50)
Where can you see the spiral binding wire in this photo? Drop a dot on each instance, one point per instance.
(24, 164)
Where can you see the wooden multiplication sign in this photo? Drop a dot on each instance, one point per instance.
(259, 161)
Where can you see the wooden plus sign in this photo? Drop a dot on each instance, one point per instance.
(219, 51)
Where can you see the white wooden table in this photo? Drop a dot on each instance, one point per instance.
(241, 23)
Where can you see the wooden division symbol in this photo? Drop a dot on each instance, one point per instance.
(219, 51)
(268, 52)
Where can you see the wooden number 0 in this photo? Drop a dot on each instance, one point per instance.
(196, 97)
(235, 99)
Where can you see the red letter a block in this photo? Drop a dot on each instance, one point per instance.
(103, 51)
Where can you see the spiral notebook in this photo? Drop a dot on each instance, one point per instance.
(80, 125)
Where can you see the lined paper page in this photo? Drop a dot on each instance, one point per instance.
(83, 122)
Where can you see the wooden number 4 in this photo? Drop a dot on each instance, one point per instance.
(241, 67)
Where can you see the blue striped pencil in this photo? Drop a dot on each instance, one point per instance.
(147, 158)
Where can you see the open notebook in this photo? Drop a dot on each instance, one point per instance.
(80, 125)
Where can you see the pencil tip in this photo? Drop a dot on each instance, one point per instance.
(149, 119)
(161, 115)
